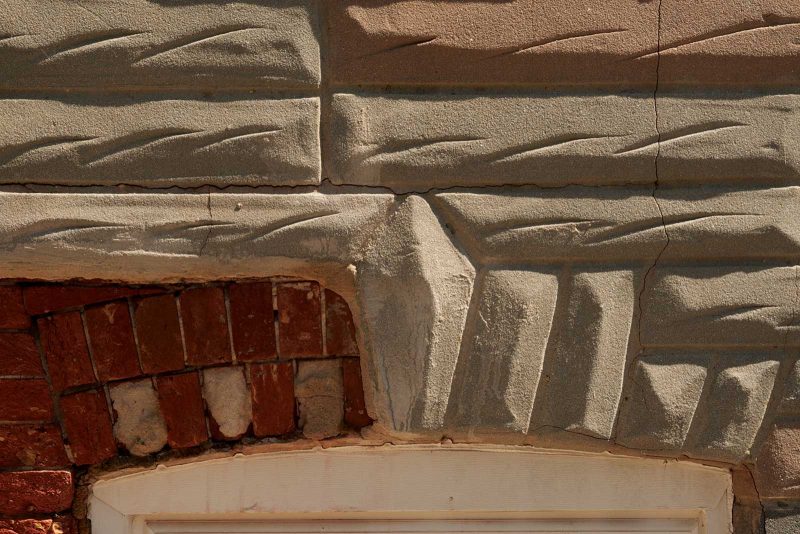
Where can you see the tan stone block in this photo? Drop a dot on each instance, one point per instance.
(137, 43)
(319, 390)
(159, 143)
(778, 464)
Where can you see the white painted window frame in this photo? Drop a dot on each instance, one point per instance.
(414, 489)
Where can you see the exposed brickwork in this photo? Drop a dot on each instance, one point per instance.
(163, 396)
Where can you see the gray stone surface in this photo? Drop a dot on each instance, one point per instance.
(413, 143)
(319, 389)
(139, 43)
(139, 424)
(228, 399)
(782, 521)
(161, 142)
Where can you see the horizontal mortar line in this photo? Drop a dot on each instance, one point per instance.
(187, 92)
(778, 348)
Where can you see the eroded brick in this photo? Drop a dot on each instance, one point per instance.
(252, 321)
(272, 389)
(31, 445)
(111, 337)
(64, 346)
(40, 299)
(12, 308)
(355, 409)
(340, 332)
(19, 355)
(300, 320)
(205, 326)
(182, 406)
(25, 400)
(88, 426)
(159, 334)
(26, 492)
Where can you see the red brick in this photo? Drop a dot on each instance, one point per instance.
(272, 389)
(88, 426)
(60, 525)
(64, 346)
(19, 355)
(159, 334)
(25, 400)
(12, 308)
(31, 445)
(340, 333)
(252, 321)
(41, 299)
(113, 345)
(45, 492)
(300, 320)
(205, 326)
(355, 409)
(182, 405)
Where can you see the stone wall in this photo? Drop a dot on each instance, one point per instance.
(561, 224)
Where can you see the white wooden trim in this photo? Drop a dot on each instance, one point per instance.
(409, 484)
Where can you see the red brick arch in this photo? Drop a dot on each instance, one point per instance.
(81, 365)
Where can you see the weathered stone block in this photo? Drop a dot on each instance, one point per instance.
(780, 521)
(125, 44)
(320, 397)
(160, 142)
(228, 400)
(778, 465)
(139, 424)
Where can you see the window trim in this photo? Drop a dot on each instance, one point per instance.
(408, 484)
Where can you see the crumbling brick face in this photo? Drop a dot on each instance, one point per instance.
(83, 380)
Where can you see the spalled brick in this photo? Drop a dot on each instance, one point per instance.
(25, 400)
(60, 525)
(340, 332)
(111, 338)
(205, 326)
(88, 426)
(159, 334)
(300, 320)
(64, 345)
(355, 409)
(19, 355)
(182, 406)
(27, 492)
(40, 299)
(272, 389)
(12, 308)
(31, 445)
(252, 321)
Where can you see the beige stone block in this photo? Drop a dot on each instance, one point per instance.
(139, 424)
(159, 143)
(319, 390)
(118, 44)
(228, 399)
(777, 470)
(791, 393)
(501, 359)
(587, 351)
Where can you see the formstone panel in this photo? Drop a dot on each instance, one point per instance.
(124, 44)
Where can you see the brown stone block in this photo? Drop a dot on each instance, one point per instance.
(113, 345)
(159, 334)
(205, 326)
(300, 320)
(25, 400)
(12, 308)
(272, 388)
(64, 345)
(252, 321)
(31, 492)
(19, 355)
(182, 406)
(355, 408)
(31, 445)
(340, 332)
(88, 426)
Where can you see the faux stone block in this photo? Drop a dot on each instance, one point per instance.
(160, 142)
(228, 400)
(139, 424)
(125, 44)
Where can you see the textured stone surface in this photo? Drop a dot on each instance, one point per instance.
(135, 43)
(320, 398)
(159, 143)
(586, 42)
(139, 424)
(778, 465)
(228, 400)
(791, 396)
(783, 521)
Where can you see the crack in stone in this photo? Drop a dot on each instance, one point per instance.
(210, 226)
